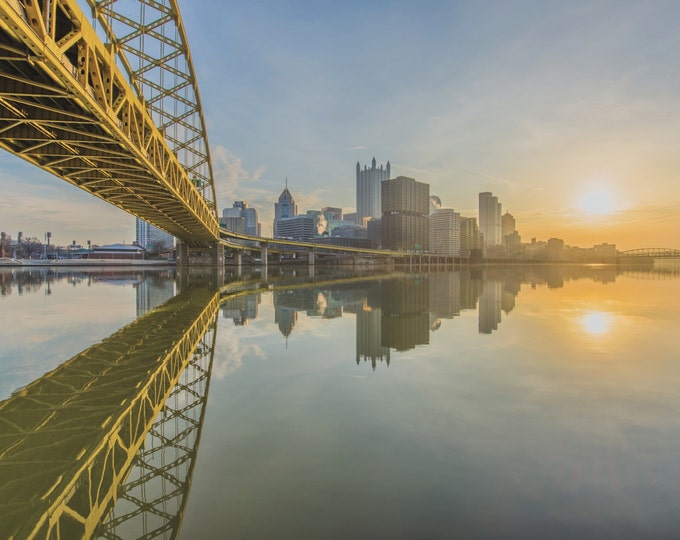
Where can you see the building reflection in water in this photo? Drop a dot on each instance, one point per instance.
(241, 309)
(369, 341)
(112, 434)
(397, 312)
(152, 291)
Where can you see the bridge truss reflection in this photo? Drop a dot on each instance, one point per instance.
(151, 503)
(69, 439)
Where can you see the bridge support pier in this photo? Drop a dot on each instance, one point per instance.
(199, 256)
(217, 255)
(182, 253)
(311, 258)
(264, 253)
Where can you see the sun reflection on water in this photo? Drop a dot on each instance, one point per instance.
(597, 322)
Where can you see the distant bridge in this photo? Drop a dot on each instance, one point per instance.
(655, 253)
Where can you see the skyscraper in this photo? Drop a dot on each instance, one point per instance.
(368, 191)
(405, 223)
(490, 219)
(285, 208)
(152, 238)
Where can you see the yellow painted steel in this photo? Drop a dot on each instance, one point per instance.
(152, 46)
(68, 440)
(66, 107)
(153, 500)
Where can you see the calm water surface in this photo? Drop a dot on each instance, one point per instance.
(496, 403)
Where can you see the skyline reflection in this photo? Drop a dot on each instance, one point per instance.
(396, 315)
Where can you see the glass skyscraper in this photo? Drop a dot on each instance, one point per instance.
(490, 219)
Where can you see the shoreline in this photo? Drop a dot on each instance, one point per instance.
(21, 263)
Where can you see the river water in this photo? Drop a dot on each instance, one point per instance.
(510, 402)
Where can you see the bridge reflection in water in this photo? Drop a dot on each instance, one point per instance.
(69, 440)
(152, 501)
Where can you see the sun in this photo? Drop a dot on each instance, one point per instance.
(598, 202)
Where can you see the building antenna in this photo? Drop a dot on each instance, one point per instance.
(286, 182)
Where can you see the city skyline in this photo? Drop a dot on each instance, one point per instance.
(565, 112)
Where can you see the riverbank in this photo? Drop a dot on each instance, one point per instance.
(6, 262)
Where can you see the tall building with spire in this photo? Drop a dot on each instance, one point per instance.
(285, 208)
(368, 191)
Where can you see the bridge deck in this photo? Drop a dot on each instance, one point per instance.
(66, 107)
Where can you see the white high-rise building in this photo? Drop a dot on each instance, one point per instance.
(445, 232)
(368, 191)
(152, 238)
(490, 219)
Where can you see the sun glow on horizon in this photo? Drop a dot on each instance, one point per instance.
(598, 202)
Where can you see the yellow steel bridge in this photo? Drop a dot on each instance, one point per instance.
(119, 118)
(113, 108)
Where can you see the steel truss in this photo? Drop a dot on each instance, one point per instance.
(152, 46)
(66, 107)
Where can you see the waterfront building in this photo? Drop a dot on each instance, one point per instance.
(507, 224)
(373, 231)
(286, 208)
(490, 219)
(331, 225)
(236, 224)
(445, 232)
(242, 219)
(554, 248)
(152, 238)
(369, 193)
(350, 216)
(405, 215)
(470, 238)
(332, 213)
(301, 227)
(116, 251)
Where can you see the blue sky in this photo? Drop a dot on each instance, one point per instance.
(567, 111)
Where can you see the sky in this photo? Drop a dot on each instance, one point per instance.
(569, 112)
